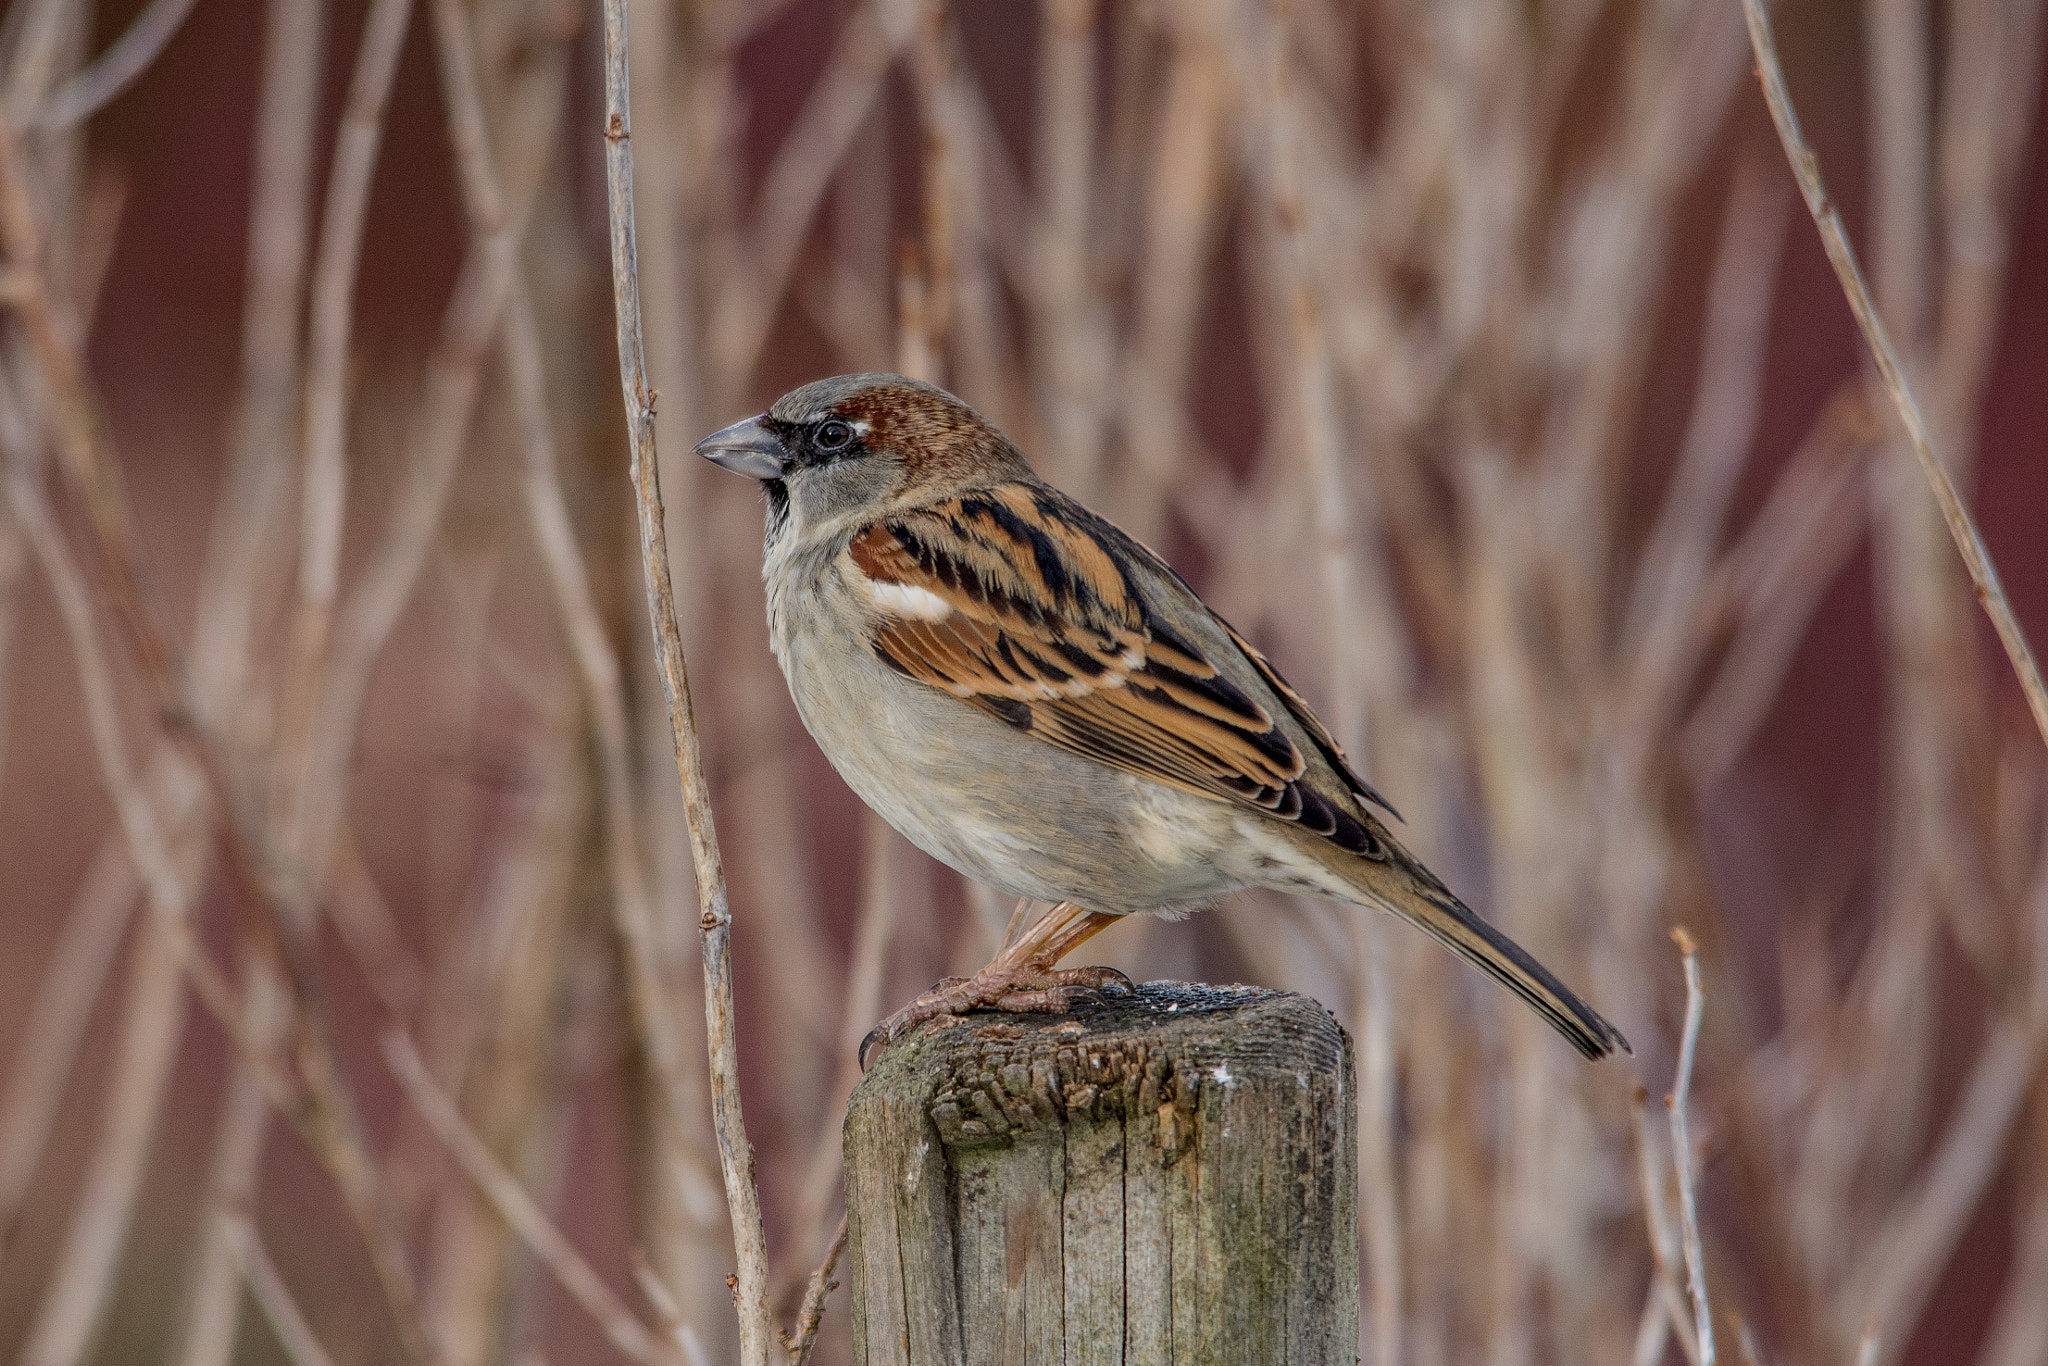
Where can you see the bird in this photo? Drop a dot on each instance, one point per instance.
(1037, 700)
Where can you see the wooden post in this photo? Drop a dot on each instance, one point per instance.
(1170, 1178)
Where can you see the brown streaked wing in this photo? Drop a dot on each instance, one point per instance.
(1298, 707)
(1049, 633)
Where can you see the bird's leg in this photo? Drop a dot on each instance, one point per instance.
(1021, 977)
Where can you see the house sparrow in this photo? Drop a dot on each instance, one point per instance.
(1038, 701)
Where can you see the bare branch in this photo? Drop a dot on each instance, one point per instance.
(294, 1334)
(517, 1208)
(65, 994)
(735, 1154)
(94, 88)
(1961, 526)
(812, 1312)
(1682, 1155)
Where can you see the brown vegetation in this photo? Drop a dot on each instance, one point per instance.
(1441, 344)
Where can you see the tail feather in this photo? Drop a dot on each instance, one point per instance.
(1402, 885)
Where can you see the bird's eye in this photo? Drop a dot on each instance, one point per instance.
(834, 435)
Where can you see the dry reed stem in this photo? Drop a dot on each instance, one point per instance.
(1989, 82)
(13, 575)
(1745, 1343)
(140, 829)
(438, 437)
(1486, 248)
(294, 1334)
(438, 433)
(323, 478)
(72, 416)
(94, 87)
(796, 180)
(1720, 428)
(48, 28)
(332, 1124)
(881, 892)
(940, 156)
(1341, 545)
(598, 666)
(504, 983)
(520, 908)
(1183, 201)
(517, 1208)
(1682, 1154)
(83, 1272)
(65, 995)
(213, 1296)
(369, 931)
(1070, 342)
(2018, 1333)
(1664, 1310)
(1903, 1261)
(687, 1342)
(1962, 526)
(81, 1284)
(253, 494)
(1772, 581)
(735, 1153)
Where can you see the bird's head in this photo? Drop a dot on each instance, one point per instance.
(838, 453)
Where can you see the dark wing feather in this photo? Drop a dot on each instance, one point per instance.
(1298, 707)
(1045, 627)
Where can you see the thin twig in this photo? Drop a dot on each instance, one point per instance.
(253, 497)
(1719, 432)
(687, 1341)
(13, 575)
(1681, 1151)
(153, 1019)
(332, 1124)
(1745, 1343)
(735, 1154)
(800, 174)
(294, 1334)
(330, 324)
(66, 991)
(880, 898)
(1962, 527)
(812, 1312)
(147, 845)
(633, 902)
(213, 1305)
(496, 214)
(598, 664)
(1904, 1258)
(1665, 1310)
(92, 89)
(624, 1330)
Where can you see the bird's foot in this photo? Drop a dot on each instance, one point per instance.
(1025, 988)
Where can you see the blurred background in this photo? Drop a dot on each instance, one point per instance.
(1477, 360)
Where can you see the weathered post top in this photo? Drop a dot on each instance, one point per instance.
(1165, 1178)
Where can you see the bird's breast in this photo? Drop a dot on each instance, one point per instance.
(1024, 816)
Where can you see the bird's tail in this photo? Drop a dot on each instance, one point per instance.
(1402, 885)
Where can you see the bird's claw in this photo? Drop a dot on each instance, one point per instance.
(1026, 990)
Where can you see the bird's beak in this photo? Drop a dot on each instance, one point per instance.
(747, 448)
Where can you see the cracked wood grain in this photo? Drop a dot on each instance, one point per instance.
(1170, 1179)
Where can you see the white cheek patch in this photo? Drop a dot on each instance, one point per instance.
(907, 600)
